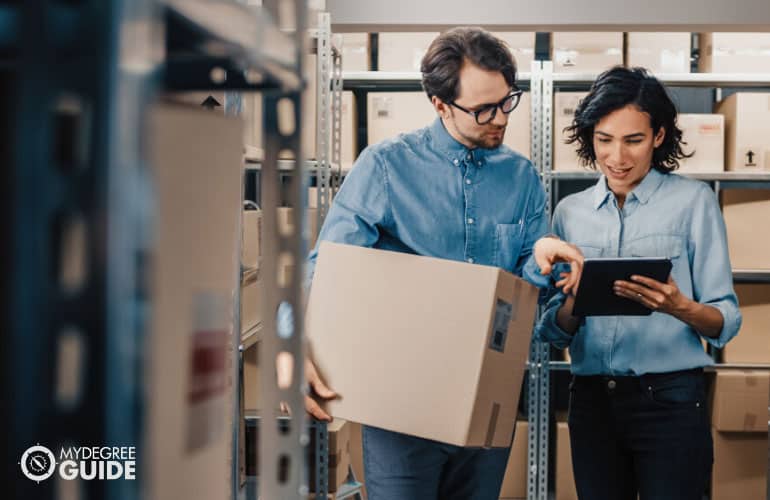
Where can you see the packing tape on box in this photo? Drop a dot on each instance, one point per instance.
(749, 421)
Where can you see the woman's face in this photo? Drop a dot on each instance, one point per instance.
(624, 143)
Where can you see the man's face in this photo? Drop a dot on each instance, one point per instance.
(478, 88)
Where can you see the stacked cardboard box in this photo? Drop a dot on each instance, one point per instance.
(703, 135)
(659, 52)
(394, 309)
(752, 344)
(189, 395)
(575, 52)
(522, 46)
(742, 209)
(515, 481)
(339, 455)
(402, 51)
(355, 51)
(739, 421)
(565, 158)
(747, 125)
(734, 53)
(565, 479)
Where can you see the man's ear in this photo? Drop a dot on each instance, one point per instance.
(440, 106)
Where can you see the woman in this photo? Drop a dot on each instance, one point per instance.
(638, 419)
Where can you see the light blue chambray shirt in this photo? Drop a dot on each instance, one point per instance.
(666, 215)
(425, 193)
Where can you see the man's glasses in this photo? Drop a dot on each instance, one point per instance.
(487, 113)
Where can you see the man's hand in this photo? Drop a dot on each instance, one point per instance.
(548, 251)
(317, 387)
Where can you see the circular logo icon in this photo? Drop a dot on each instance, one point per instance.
(38, 463)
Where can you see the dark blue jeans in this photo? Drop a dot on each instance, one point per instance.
(648, 435)
(401, 467)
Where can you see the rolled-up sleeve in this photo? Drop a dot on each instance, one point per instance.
(712, 277)
(547, 328)
(359, 210)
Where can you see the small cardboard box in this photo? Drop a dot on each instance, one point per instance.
(747, 127)
(578, 52)
(704, 135)
(740, 401)
(734, 53)
(659, 52)
(384, 328)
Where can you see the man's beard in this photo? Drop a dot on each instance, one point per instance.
(488, 139)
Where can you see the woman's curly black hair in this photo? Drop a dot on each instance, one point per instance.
(615, 89)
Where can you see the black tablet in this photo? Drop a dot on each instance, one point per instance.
(596, 296)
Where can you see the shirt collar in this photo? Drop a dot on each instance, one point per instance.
(454, 150)
(642, 192)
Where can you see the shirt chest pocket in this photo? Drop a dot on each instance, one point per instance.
(509, 239)
(665, 246)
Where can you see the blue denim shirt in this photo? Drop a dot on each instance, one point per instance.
(425, 193)
(666, 215)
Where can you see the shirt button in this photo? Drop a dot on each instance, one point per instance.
(467, 181)
(470, 260)
(456, 161)
(470, 221)
(611, 384)
(478, 163)
(468, 157)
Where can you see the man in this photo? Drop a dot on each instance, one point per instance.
(449, 190)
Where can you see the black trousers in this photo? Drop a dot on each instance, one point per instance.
(645, 435)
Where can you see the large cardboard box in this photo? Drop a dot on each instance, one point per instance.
(565, 158)
(742, 209)
(740, 466)
(515, 480)
(734, 53)
(384, 327)
(747, 126)
(339, 458)
(659, 52)
(522, 46)
(565, 478)
(740, 401)
(355, 51)
(578, 52)
(190, 360)
(402, 51)
(752, 344)
(704, 135)
(394, 113)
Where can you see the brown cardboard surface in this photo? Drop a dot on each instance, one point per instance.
(740, 401)
(384, 327)
(402, 51)
(357, 453)
(658, 52)
(752, 344)
(734, 53)
(252, 238)
(189, 394)
(355, 51)
(740, 466)
(742, 209)
(251, 379)
(703, 135)
(747, 126)
(565, 157)
(515, 479)
(589, 52)
(394, 113)
(565, 479)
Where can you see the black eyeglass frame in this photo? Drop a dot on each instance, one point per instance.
(514, 94)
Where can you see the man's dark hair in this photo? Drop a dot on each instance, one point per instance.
(615, 89)
(448, 52)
